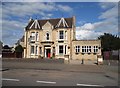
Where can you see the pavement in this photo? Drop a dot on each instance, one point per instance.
(37, 73)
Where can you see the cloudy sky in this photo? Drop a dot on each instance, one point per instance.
(92, 18)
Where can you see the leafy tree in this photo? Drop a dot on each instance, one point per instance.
(19, 48)
(109, 42)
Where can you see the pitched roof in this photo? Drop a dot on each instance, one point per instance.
(63, 23)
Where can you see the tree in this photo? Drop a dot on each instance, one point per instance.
(109, 42)
(19, 49)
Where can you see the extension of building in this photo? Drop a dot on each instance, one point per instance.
(56, 38)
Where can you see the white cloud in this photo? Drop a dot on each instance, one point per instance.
(109, 24)
(12, 31)
(106, 5)
(60, 0)
(30, 8)
(113, 12)
(27, 9)
(81, 22)
(86, 34)
(64, 8)
(15, 15)
(87, 26)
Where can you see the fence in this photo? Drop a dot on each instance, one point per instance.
(111, 55)
(11, 55)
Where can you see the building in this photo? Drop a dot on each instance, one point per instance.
(56, 38)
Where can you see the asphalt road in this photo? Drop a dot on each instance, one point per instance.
(57, 74)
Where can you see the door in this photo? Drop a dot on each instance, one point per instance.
(48, 53)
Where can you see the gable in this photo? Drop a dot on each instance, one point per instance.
(47, 25)
(55, 23)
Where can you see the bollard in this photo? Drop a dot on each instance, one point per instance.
(82, 61)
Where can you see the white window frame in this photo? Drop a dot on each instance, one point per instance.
(32, 37)
(40, 50)
(77, 49)
(36, 50)
(37, 36)
(83, 48)
(65, 49)
(62, 35)
(86, 49)
(66, 35)
(95, 49)
(32, 51)
(62, 50)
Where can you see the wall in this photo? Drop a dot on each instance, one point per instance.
(85, 56)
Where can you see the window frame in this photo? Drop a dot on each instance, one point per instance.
(37, 36)
(61, 34)
(95, 49)
(32, 51)
(47, 36)
(32, 36)
(86, 49)
(36, 50)
(77, 48)
(61, 49)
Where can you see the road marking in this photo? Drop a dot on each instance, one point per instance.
(89, 85)
(6, 79)
(46, 82)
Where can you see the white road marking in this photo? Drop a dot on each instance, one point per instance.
(89, 85)
(6, 79)
(46, 82)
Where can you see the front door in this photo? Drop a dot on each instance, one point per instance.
(48, 53)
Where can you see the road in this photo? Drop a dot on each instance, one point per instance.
(57, 74)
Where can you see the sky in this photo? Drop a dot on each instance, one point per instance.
(92, 18)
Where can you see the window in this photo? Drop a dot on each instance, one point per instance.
(83, 49)
(32, 49)
(95, 48)
(37, 36)
(77, 49)
(36, 50)
(61, 34)
(32, 36)
(66, 35)
(53, 49)
(40, 50)
(47, 36)
(65, 49)
(89, 49)
(61, 49)
(86, 49)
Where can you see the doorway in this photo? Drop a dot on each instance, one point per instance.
(48, 53)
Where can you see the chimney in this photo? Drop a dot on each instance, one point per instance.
(74, 28)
